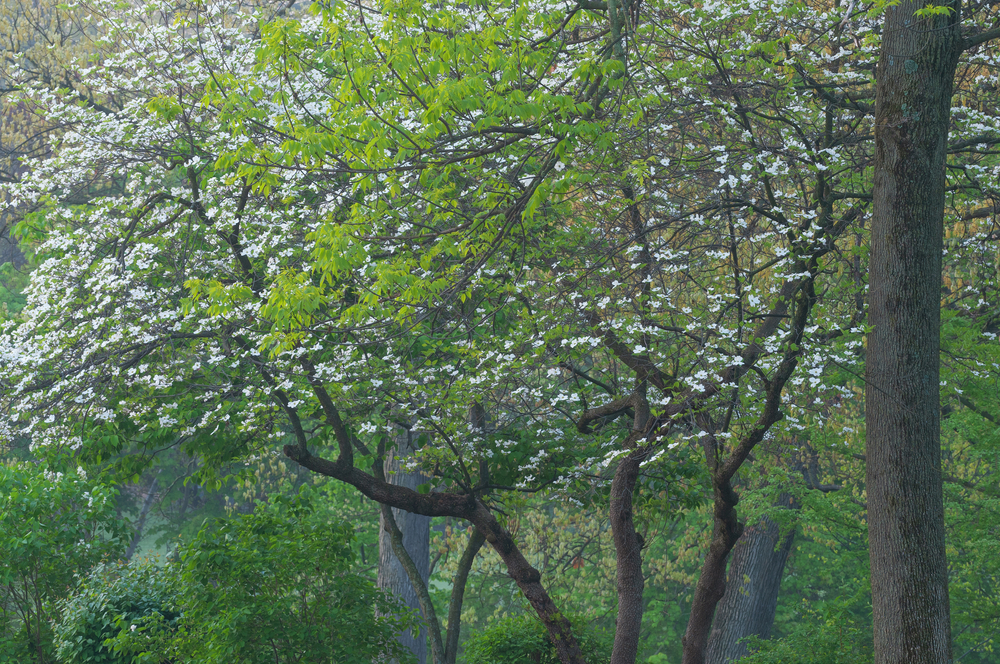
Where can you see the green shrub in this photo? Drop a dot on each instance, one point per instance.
(524, 639)
(834, 636)
(52, 526)
(111, 599)
(275, 587)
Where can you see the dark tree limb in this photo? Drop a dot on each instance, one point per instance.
(463, 506)
(726, 529)
(413, 574)
(476, 542)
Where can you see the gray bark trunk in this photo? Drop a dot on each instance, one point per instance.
(140, 523)
(416, 540)
(747, 608)
(909, 572)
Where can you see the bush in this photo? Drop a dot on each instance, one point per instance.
(274, 587)
(52, 525)
(834, 636)
(111, 599)
(524, 639)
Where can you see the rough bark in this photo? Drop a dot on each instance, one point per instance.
(415, 534)
(628, 547)
(726, 529)
(905, 507)
(754, 579)
(417, 581)
(443, 650)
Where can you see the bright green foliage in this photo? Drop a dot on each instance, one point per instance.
(52, 526)
(970, 436)
(112, 598)
(274, 586)
(830, 638)
(523, 639)
(12, 281)
(413, 207)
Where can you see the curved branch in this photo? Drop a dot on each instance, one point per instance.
(426, 605)
(458, 595)
(600, 412)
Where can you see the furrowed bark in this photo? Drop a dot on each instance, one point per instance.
(404, 553)
(753, 582)
(915, 77)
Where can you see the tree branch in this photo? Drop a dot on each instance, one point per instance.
(458, 594)
(413, 574)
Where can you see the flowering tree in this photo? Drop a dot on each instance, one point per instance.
(624, 234)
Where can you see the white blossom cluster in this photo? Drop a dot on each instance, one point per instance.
(405, 218)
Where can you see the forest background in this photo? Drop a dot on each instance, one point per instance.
(582, 282)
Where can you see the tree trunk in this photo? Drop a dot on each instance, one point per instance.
(476, 542)
(747, 608)
(416, 531)
(726, 529)
(711, 587)
(902, 405)
(9, 250)
(140, 524)
(628, 546)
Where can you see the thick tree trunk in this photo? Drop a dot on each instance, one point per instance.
(754, 579)
(905, 508)
(711, 587)
(416, 531)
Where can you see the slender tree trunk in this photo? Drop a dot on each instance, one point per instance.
(726, 529)
(711, 587)
(905, 507)
(628, 546)
(628, 542)
(754, 579)
(476, 542)
(416, 531)
(141, 523)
